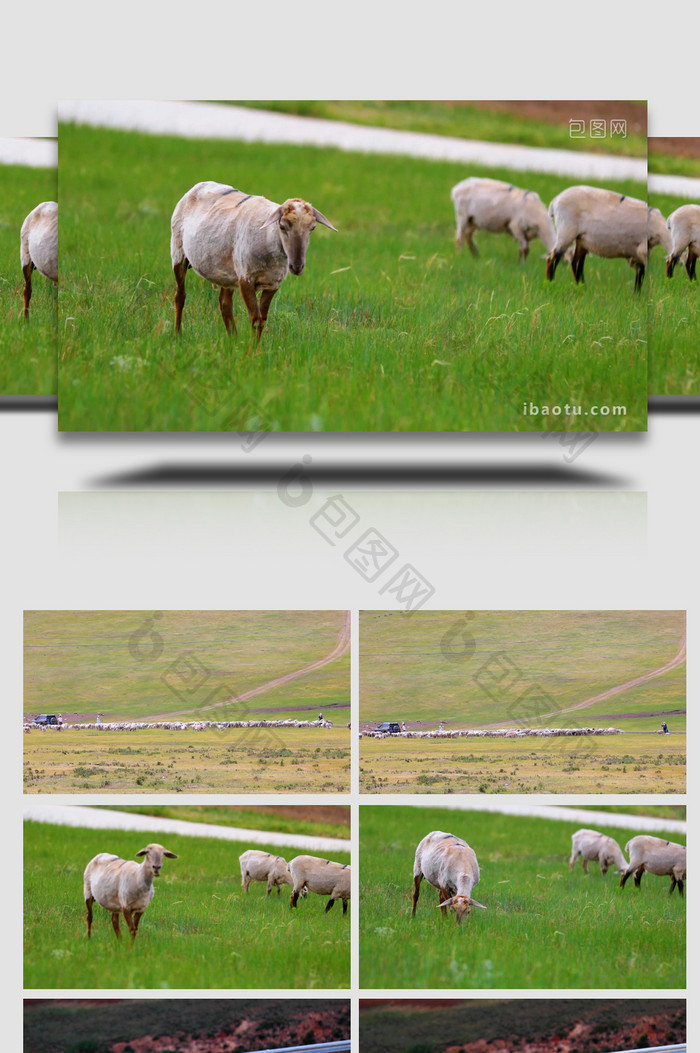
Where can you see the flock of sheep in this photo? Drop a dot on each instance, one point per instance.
(450, 865)
(124, 887)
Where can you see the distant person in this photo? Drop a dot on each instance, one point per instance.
(60, 720)
(98, 719)
(320, 717)
(664, 728)
(442, 725)
(403, 726)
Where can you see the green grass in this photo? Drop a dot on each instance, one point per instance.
(51, 1027)
(282, 819)
(234, 760)
(402, 1028)
(445, 665)
(200, 931)
(633, 763)
(27, 349)
(674, 319)
(543, 927)
(387, 329)
(110, 661)
(457, 119)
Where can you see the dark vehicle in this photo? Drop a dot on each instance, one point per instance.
(388, 728)
(46, 718)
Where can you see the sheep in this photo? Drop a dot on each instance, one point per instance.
(39, 247)
(603, 222)
(449, 864)
(684, 225)
(237, 240)
(489, 204)
(120, 885)
(313, 874)
(657, 231)
(262, 866)
(657, 856)
(591, 845)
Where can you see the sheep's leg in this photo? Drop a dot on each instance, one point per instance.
(469, 238)
(673, 884)
(638, 877)
(639, 277)
(417, 878)
(137, 919)
(269, 886)
(585, 866)
(690, 264)
(294, 899)
(27, 272)
(129, 921)
(115, 922)
(180, 270)
(579, 258)
(671, 264)
(245, 881)
(88, 903)
(251, 302)
(623, 877)
(521, 239)
(552, 263)
(679, 882)
(330, 903)
(226, 308)
(345, 906)
(265, 301)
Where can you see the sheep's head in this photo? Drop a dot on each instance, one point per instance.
(461, 905)
(155, 854)
(295, 220)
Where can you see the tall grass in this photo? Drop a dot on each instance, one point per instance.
(27, 349)
(543, 927)
(200, 931)
(387, 330)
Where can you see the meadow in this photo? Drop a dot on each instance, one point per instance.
(543, 927)
(27, 349)
(233, 760)
(387, 330)
(674, 319)
(200, 931)
(140, 665)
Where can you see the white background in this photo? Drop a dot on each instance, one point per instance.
(618, 528)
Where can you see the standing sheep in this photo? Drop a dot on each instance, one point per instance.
(238, 241)
(655, 856)
(309, 873)
(449, 864)
(261, 866)
(684, 225)
(38, 248)
(591, 845)
(603, 222)
(122, 886)
(489, 204)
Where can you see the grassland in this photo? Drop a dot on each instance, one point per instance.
(27, 350)
(137, 665)
(200, 931)
(81, 1027)
(446, 665)
(543, 927)
(674, 319)
(387, 330)
(400, 1028)
(633, 763)
(234, 760)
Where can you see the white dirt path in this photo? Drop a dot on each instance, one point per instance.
(34, 153)
(198, 120)
(112, 819)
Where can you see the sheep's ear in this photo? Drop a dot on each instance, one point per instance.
(320, 218)
(170, 855)
(142, 852)
(475, 903)
(274, 218)
(447, 903)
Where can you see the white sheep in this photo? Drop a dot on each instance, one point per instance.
(489, 204)
(122, 886)
(38, 248)
(450, 865)
(655, 856)
(603, 222)
(262, 866)
(684, 226)
(657, 231)
(321, 876)
(592, 845)
(237, 240)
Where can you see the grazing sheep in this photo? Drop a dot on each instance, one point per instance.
(261, 866)
(591, 845)
(38, 248)
(489, 204)
(309, 873)
(657, 231)
(449, 864)
(236, 240)
(684, 225)
(656, 856)
(603, 222)
(122, 886)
